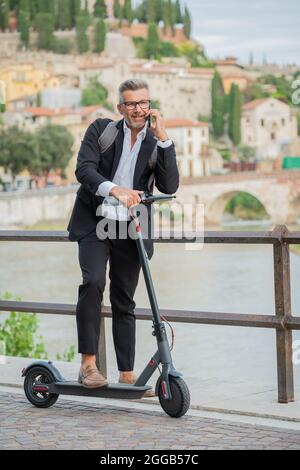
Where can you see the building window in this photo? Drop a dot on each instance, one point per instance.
(190, 132)
(190, 148)
(262, 122)
(273, 136)
(283, 121)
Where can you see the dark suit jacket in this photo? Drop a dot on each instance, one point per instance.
(93, 169)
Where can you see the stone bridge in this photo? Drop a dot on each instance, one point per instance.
(278, 192)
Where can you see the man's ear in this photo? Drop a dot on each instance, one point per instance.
(120, 109)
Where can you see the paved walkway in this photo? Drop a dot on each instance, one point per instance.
(80, 425)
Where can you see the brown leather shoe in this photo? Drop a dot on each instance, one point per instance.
(90, 377)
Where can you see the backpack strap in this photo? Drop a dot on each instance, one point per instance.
(108, 136)
(152, 164)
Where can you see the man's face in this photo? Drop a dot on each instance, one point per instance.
(137, 116)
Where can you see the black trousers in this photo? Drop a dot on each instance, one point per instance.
(124, 269)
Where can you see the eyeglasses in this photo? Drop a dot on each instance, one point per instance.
(130, 105)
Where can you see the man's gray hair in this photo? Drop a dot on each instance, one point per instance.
(131, 84)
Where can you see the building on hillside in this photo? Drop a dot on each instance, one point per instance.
(268, 125)
(25, 80)
(194, 156)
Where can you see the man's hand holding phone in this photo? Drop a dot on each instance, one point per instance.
(156, 124)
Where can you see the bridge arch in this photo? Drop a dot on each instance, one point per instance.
(215, 211)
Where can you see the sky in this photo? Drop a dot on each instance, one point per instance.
(236, 27)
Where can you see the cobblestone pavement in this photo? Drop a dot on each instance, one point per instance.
(73, 425)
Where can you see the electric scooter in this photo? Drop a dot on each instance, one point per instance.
(43, 382)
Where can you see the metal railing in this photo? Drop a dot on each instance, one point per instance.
(282, 320)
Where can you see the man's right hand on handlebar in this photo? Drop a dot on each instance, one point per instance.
(128, 197)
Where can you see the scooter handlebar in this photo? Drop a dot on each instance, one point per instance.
(146, 198)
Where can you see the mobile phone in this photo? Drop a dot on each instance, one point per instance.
(149, 119)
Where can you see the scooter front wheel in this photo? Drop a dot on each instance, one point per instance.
(33, 387)
(180, 402)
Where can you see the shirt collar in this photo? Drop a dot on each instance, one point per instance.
(142, 132)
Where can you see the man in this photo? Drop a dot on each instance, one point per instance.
(122, 171)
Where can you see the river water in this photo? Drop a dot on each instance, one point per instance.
(219, 277)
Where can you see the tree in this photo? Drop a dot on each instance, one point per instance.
(152, 44)
(100, 36)
(94, 94)
(235, 110)
(15, 150)
(81, 35)
(100, 10)
(4, 9)
(217, 97)
(64, 20)
(178, 14)
(75, 9)
(187, 23)
(54, 147)
(117, 9)
(127, 11)
(24, 21)
(45, 28)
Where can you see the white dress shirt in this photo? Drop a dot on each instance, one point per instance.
(125, 172)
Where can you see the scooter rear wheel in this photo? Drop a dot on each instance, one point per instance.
(39, 376)
(180, 402)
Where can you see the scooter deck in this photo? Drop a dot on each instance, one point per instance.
(114, 390)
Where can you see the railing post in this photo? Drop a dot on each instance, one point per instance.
(283, 311)
(101, 355)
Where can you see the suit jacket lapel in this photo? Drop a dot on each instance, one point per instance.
(145, 152)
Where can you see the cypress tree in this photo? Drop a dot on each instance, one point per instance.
(100, 36)
(100, 10)
(45, 28)
(4, 9)
(64, 15)
(24, 22)
(217, 96)
(235, 109)
(187, 23)
(75, 9)
(127, 11)
(152, 44)
(178, 15)
(81, 34)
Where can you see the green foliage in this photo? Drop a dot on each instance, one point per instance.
(62, 46)
(4, 9)
(45, 27)
(194, 54)
(234, 128)
(246, 206)
(127, 11)
(100, 36)
(18, 334)
(282, 84)
(246, 153)
(48, 149)
(94, 94)
(81, 34)
(24, 24)
(100, 10)
(68, 355)
(218, 106)
(254, 92)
